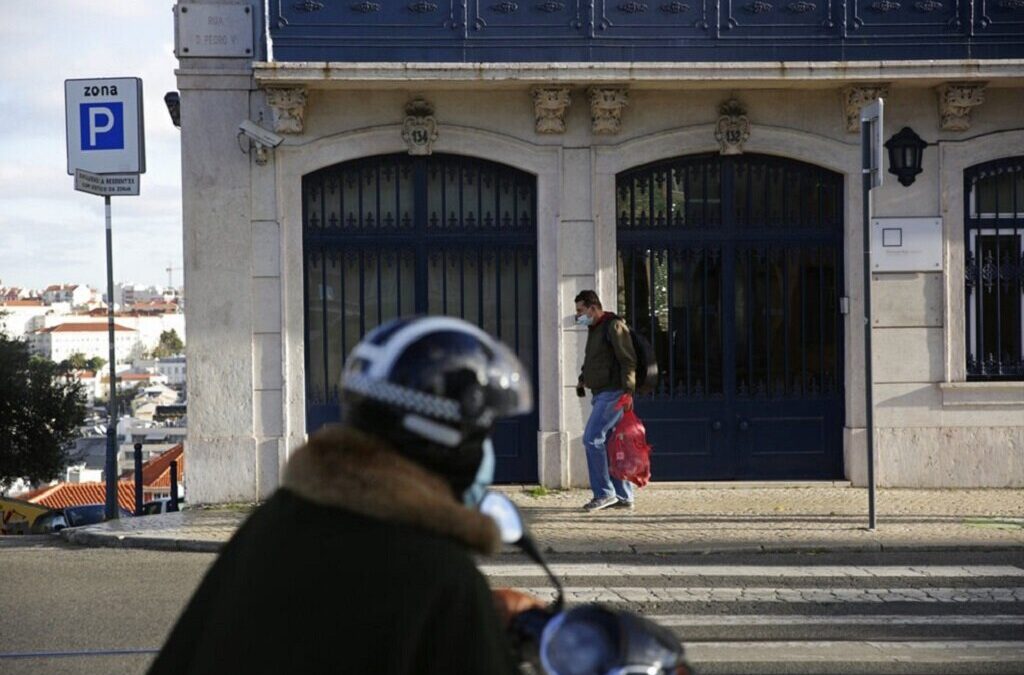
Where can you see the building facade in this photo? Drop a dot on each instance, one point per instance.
(698, 164)
(61, 341)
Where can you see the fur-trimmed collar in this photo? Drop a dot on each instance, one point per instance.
(343, 468)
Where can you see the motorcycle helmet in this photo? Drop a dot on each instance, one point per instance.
(433, 388)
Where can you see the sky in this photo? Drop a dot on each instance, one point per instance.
(49, 233)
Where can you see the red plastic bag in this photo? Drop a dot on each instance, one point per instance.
(629, 454)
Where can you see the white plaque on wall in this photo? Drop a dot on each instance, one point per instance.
(214, 31)
(906, 244)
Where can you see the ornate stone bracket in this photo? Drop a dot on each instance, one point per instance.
(856, 97)
(289, 107)
(606, 105)
(733, 127)
(419, 131)
(956, 99)
(549, 106)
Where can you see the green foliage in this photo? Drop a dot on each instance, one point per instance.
(40, 412)
(170, 344)
(77, 361)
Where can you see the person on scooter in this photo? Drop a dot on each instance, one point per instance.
(361, 561)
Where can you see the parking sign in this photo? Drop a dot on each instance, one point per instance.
(105, 125)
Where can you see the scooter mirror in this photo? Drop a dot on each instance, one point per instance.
(513, 531)
(505, 514)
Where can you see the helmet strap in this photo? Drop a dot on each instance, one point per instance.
(431, 430)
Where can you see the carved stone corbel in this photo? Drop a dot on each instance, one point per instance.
(856, 97)
(733, 127)
(956, 99)
(606, 105)
(288, 105)
(419, 131)
(549, 106)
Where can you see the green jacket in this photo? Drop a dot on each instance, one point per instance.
(609, 362)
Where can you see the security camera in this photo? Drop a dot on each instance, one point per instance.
(260, 135)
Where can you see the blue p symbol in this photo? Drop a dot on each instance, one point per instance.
(102, 126)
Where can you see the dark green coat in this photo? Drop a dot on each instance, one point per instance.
(609, 362)
(359, 564)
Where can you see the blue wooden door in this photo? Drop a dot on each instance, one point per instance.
(397, 235)
(732, 268)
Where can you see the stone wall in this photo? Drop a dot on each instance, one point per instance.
(243, 231)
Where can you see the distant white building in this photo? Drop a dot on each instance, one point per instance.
(8, 293)
(154, 437)
(149, 398)
(127, 295)
(81, 473)
(172, 367)
(89, 339)
(75, 294)
(148, 327)
(20, 317)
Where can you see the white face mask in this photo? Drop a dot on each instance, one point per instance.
(584, 320)
(472, 495)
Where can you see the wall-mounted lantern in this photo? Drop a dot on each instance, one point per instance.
(905, 154)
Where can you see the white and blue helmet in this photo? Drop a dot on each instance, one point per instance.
(436, 380)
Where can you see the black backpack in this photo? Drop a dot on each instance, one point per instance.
(646, 373)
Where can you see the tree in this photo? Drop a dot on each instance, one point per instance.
(40, 412)
(77, 361)
(170, 344)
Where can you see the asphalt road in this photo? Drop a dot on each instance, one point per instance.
(85, 610)
(65, 609)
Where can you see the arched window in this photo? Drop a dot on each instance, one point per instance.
(994, 266)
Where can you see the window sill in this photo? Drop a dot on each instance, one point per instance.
(977, 394)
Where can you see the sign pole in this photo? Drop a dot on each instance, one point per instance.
(111, 463)
(106, 152)
(871, 177)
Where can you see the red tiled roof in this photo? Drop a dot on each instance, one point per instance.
(79, 494)
(156, 473)
(84, 328)
(36, 302)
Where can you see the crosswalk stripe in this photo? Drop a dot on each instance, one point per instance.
(854, 571)
(786, 595)
(710, 620)
(923, 651)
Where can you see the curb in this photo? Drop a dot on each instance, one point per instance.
(727, 548)
(95, 540)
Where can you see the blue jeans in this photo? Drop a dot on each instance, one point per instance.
(603, 418)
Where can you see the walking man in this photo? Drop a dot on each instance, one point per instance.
(608, 371)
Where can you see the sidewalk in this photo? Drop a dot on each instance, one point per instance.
(682, 519)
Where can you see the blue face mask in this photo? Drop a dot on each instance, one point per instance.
(584, 320)
(483, 479)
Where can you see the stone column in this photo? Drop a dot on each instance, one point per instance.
(219, 289)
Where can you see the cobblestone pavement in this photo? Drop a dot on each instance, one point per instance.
(778, 519)
(679, 519)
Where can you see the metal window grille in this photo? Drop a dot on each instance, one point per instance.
(994, 269)
(395, 235)
(732, 268)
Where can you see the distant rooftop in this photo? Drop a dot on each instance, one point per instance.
(96, 327)
(34, 302)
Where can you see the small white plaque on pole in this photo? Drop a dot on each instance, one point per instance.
(113, 184)
(872, 114)
(906, 244)
(104, 125)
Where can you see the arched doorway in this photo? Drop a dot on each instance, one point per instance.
(732, 267)
(395, 235)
